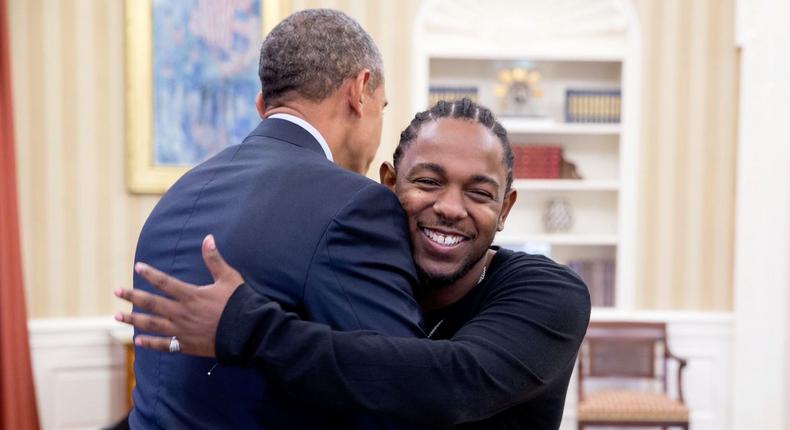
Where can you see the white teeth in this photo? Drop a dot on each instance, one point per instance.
(443, 239)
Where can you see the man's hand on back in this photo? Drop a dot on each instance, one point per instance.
(190, 313)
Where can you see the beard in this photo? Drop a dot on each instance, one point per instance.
(437, 281)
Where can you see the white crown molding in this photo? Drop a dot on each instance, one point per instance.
(537, 28)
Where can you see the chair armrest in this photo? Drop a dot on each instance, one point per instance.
(682, 362)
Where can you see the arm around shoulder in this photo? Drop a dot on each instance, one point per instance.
(362, 274)
(524, 339)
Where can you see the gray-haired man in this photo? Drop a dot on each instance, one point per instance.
(333, 245)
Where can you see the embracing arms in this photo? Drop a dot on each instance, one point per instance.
(505, 355)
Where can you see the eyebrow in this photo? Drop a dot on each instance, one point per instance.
(439, 170)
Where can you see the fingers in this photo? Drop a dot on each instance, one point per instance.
(217, 265)
(161, 344)
(147, 323)
(163, 282)
(159, 305)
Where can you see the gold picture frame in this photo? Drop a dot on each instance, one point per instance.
(142, 175)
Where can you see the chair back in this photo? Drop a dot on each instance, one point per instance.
(633, 350)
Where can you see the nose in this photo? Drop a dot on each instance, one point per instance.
(450, 205)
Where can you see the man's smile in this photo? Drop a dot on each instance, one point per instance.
(443, 237)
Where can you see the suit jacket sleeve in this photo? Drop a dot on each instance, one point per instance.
(362, 273)
(514, 348)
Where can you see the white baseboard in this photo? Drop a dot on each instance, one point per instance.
(79, 368)
(79, 372)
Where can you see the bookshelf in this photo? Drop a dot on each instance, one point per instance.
(595, 49)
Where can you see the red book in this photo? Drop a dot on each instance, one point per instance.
(537, 161)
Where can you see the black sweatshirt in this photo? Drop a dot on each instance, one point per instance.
(506, 357)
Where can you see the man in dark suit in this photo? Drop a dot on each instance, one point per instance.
(329, 244)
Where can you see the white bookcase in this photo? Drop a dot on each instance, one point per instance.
(574, 44)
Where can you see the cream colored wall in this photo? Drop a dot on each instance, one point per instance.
(79, 226)
(687, 183)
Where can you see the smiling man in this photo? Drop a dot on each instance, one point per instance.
(454, 183)
(503, 327)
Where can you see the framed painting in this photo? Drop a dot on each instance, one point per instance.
(191, 81)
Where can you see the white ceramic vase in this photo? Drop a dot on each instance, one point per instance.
(558, 217)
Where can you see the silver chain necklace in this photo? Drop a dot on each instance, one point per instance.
(482, 275)
(479, 280)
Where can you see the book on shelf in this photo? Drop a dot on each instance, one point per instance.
(451, 93)
(599, 275)
(537, 161)
(547, 161)
(592, 106)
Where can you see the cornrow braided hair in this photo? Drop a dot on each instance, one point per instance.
(464, 109)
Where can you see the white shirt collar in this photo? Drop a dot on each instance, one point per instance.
(310, 129)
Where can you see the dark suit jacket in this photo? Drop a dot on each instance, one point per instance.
(326, 243)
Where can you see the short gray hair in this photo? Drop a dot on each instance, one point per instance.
(311, 52)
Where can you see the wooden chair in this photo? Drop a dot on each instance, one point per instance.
(629, 352)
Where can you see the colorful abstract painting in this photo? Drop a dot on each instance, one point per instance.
(205, 76)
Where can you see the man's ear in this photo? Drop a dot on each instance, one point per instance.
(357, 91)
(387, 175)
(507, 204)
(259, 104)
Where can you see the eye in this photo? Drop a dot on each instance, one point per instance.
(481, 194)
(428, 182)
